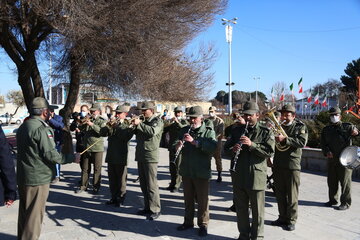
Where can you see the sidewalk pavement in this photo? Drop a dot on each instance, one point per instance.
(85, 216)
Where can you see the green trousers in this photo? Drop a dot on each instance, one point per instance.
(91, 158)
(339, 174)
(242, 198)
(174, 170)
(196, 190)
(117, 180)
(149, 186)
(287, 184)
(31, 211)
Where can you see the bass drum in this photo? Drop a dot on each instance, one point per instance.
(350, 157)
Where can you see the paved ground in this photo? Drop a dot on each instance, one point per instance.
(85, 216)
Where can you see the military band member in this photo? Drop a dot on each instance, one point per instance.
(119, 134)
(334, 138)
(148, 136)
(94, 144)
(255, 143)
(36, 159)
(198, 144)
(219, 128)
(286, 167)
(173, 128)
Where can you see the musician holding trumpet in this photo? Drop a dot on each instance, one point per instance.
(119, 134)
(94, 145)
(148, 136)
(291, 138)
(253, 144)
(198, 144)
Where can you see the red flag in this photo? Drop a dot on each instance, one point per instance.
(300, 85)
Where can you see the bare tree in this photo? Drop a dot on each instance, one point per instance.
(17, 98)
(131, 46)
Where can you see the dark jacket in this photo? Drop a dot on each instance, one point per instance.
(57, 124)
(196, 160)
(7, 171)
(251, 165)
(118, 142)
(336, 137)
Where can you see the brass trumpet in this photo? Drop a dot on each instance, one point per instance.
(133, 117)
(113, 122)
(275, 126)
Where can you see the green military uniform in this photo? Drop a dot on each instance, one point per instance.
(286, 169)
(335, 138)
(95, 153)
(116, 157)
(173, 129)
(249, 177)
(36, 159)
(195, 169)
(219, 128)
(148, 136)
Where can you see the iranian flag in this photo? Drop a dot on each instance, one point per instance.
(272, 95)
(291, 89)
(309, 97)
(316, 99)
(282, 96)
(300, 85)
(324, 103)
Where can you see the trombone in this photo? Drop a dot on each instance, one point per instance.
(275, 126)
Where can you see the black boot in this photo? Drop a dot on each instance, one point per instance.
(219, 179)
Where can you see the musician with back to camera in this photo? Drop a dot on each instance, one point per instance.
(249, 175)
(198, 144)
(286, 167)
(94, 146)
(335, 137)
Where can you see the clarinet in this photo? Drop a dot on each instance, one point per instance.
(237, 153)
(178, 151)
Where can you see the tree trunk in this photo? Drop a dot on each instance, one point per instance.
(73, 88)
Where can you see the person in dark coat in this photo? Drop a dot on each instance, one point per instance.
(7, 173)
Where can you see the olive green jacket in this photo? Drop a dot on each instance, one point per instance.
(37, 155)
(148, 136)
(92, 135)
(196, 159)
(219, 126)
(336, 137)
(297, 138)
(251, 164)
(118, 142)
(173, 129)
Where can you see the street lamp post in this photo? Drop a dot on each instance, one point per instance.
(257, 85)
(228, 33)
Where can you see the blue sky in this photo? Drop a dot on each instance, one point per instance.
(284, 40)
(278, 41)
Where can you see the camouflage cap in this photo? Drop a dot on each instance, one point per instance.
(334, 111)
(288, 108)
(250, 108)
(177, 109)
(121, 109)
(146, 105)
(39, 102)
(195, 111)
(212, 109)
(95, 106)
